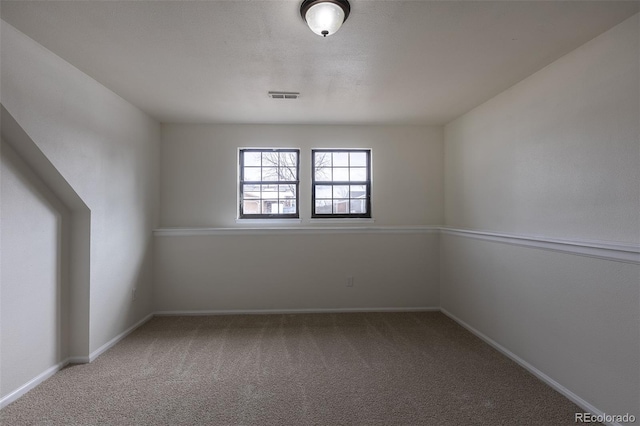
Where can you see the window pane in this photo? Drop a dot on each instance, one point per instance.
(270, 192)
(323, 174)
(288, 159)
(324, 191)
(358, 174)
(252, 158)
(323, 207)
(270, 207)
(251, 207)
(341, 191)
(252, 173)
(251, 189)
(288, 173)
(288, 206)
(288, 166)
(321, 159)
(340, 159)
(287, 194)
(340, 206)
(358, 159)
(340, 174)
(358, 206)
(269, 173)
(358, 191)
(269, 159)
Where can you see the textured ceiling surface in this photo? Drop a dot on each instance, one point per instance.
(393, 61)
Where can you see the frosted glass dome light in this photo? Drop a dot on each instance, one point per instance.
(325, 17)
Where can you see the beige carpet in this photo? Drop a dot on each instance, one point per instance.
(312, 369)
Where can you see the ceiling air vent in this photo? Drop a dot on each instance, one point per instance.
(284, 95)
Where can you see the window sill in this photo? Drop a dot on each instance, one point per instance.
(267, 221)
(343, 220)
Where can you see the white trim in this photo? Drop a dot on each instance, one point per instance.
(618, 252)
(267, 221)
(102, 349)
(191, 232)
(13, 396)
(293, 311)
(343, 220)
(588, 407)
(627, 253)
(79, 360)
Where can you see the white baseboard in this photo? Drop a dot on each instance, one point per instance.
(32, 384)
(79, 360)
(95, 354)
(293, 311)
(588, 407)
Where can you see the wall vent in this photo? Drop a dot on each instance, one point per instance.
(284, 95)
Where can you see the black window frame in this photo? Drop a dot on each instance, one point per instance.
(366, 183)
(242, 182)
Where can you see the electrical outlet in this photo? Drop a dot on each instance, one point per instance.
(133, 293)
(349, 281)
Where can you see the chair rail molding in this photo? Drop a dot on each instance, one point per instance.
(618, 252)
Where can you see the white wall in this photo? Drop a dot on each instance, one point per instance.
(107, 150)
(296, 270)
(394, 261)
(33, 330)
(199, 169)
(556, 156)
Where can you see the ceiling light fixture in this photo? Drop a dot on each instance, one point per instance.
(325, 17)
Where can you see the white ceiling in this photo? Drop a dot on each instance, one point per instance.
(393, 61)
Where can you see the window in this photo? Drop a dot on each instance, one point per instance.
(269, 183)
(341, 183)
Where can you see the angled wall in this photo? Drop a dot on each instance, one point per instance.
(108, 152)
